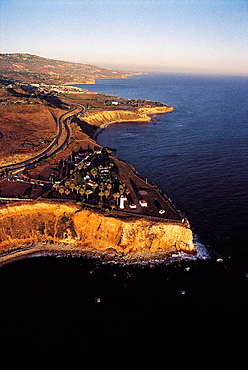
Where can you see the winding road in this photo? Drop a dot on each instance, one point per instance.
(62, 124)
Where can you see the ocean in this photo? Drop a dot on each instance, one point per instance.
(193, 306)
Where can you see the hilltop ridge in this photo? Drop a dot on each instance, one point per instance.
(35, 69)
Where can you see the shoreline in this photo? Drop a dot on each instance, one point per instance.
(71, 250)
(67, 251)
(102, 127)
(143, 112)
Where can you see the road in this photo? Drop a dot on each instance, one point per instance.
(62, 124)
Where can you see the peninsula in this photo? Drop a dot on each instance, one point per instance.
(62, 193)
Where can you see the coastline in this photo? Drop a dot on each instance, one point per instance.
(143, 115)
(102, 127)
(58, 247)
(64, 251)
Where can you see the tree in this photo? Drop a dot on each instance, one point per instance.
(72, 186)
(106, 193)
(121, 188)
(116, 196)
(101, 194)
(81, 191)
(94, 172)
(88, 192)
(67, 191)
(77, 188)
(61, 190)
(127, 191)
(109, 186)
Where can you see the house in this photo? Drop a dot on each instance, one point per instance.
(92, 183)
(104, 171)
(97, 150)
(143, 203)
(132, 206)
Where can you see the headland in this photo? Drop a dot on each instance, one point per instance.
(70, 196)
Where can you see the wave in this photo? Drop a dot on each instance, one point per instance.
(202, 251)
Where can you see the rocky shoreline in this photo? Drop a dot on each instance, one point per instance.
(66, 251)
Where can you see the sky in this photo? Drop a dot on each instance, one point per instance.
(188, 36)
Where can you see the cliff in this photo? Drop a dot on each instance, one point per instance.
(103, 118)
(155, 110)
(52, 222)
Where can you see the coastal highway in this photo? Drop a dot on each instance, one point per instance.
(62, 124)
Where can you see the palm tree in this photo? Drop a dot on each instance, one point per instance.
(88, 192)
(121, 188)
(67, 191)
(101, 185)
(101, 194)
(106, 193)
(109, 186)
(94, 172)
(61, 190)
(116, 196)
(77, 188)
(72, 186)
(127, 191)
(81, 191)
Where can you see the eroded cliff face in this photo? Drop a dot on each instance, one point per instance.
(103, 118)
(60, 223)
(155, 110)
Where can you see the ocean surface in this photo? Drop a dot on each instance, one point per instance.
(198, 156)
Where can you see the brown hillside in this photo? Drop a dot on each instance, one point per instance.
(25, 129)
(32, 68)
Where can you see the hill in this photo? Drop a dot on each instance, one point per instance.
(35, 69)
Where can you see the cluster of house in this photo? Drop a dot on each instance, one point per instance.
(85, 157)
(36, 87)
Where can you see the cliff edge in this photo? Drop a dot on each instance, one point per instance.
(83, 229)
(103, 118)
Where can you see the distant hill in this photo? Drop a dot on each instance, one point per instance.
(32, 68)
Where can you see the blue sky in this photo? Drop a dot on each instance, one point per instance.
(199, 36)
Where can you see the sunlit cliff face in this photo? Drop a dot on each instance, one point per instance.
(61, 223)
(105, 117)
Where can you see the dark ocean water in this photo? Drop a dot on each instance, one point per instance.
(197, 154)
(191, 310)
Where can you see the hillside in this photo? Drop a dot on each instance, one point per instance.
(35, 69)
